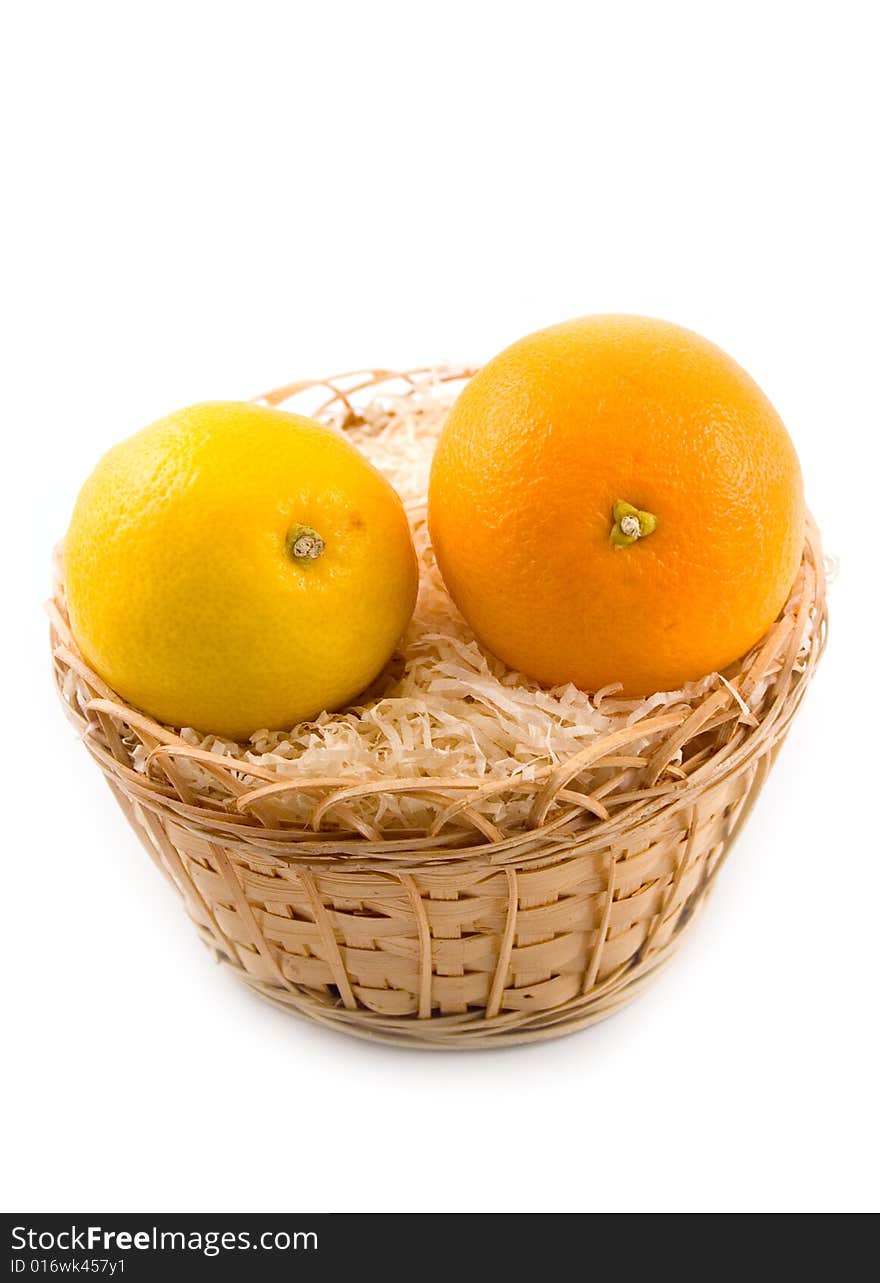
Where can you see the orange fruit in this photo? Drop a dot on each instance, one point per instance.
(613, 499)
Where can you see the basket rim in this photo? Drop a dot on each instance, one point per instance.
(106, 719)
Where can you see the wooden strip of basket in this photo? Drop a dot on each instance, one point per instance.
(452, 939)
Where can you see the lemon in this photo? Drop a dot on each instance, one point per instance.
(233, 567)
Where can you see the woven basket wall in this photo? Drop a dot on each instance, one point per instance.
(464, 936)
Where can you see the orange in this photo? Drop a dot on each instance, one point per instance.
(613, 499)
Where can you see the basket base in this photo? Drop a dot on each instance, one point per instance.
(473, 1030)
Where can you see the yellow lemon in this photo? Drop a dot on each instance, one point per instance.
(233, 567)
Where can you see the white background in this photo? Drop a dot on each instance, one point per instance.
(207, 200)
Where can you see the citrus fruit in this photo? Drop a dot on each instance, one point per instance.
(613, 499)
(233, 568)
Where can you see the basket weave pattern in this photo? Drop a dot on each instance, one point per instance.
(462, 935)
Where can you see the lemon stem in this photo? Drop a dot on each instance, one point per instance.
(304, 544)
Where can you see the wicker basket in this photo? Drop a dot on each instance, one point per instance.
(463, 936)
